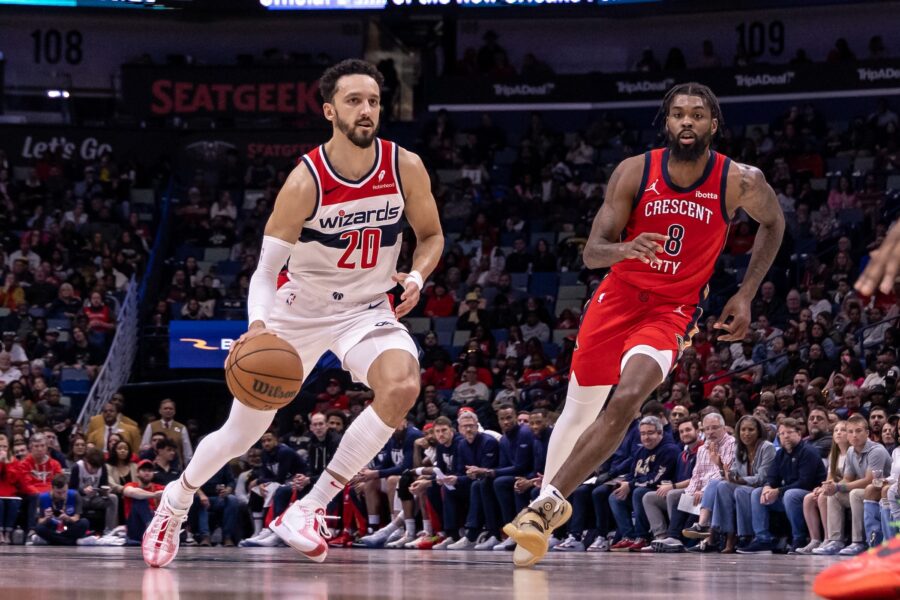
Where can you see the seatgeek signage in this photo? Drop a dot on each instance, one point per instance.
(202, 344)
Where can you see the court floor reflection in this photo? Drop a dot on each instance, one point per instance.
(264, 573)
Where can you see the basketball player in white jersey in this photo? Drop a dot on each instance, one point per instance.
(337, 219)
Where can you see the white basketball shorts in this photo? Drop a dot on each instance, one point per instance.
(314, 326)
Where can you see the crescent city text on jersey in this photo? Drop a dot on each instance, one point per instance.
(680, 207)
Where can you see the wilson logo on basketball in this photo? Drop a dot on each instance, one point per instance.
(276, 393)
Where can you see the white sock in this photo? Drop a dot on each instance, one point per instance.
(389, 528)
(583, 404)
(257, 523)
(363, 439)
(411, 527)
(426, 525)
(548, 492)
(374, 521)
(243, 428)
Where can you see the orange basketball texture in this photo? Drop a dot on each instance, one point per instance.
(264, 372)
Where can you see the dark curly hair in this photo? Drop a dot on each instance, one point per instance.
(691, 89)
(351, 66)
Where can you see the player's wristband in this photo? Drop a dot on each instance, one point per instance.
(419, 471)
(416, 277)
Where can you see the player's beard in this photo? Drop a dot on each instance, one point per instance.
(354, 133)
(690, 152)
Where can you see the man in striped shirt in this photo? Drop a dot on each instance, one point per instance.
(717, 451)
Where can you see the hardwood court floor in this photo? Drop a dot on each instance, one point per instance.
(220, 573)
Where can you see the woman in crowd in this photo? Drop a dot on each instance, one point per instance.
(77, 448)
(814, 503)
(753, 459)
(122, 468)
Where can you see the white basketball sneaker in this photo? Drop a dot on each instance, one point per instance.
(303, 529)
(161, 540)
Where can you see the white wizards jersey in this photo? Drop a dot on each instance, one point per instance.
(348, 248)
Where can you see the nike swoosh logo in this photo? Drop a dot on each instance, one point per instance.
(376, 305)
(332, 190)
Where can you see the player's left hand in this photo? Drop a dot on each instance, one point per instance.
(410, 297)
(738, 309)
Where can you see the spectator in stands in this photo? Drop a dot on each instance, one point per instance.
(66, 305)
(8, 373)
(90, 478)
(653, 463)
(77, 449)
(516, 461)
(471, 390)
(841, 52)
(819, 435)
(477, 451)
(815, 506)
(321, 446)
(82, 353)
(718, 450)
(217, 500)
(172, 429)
(121, 468)
(754, 459)
(35, 472)
(141, 497)
(883, 362)
(877, 419)
(661, 506)
(863, 458)
(101, 321)
(440, 374)
(10, 503)
(113, 423)
(60, 522)
(336, 420)
(333, 398)
(473, 316)
(15, 401)
(11, 293)
(439, 303)
(285, 470)
(796, 471)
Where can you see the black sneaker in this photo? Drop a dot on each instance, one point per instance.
(756, 547)
(696, 532)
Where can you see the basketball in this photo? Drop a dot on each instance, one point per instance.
(264, 372)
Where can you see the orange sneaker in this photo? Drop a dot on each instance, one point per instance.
(869, 576)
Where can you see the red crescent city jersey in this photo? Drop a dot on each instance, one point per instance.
(349, 246)
(695, 219)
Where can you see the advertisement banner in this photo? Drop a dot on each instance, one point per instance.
(630, 88)
(83, 144)
(202, 344)
(164, 91)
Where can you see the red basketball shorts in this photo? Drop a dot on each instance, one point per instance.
(619, 318)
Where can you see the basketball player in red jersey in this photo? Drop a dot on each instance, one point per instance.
(876, 573)
(338, 220)
(673, 206)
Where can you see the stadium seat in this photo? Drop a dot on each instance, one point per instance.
(863, 164)
(547, 236)
(418, 324)
(568, 277)
(893, 182)
(461, 337)
(543, 284)
(185, 250)
(445, 337)
(560, 334)
(838, 165)
(61, 324)
(228, 267)
(4, 312)
(519, 281)
(500, 335)
(144, 197)
(73, 382)
(575, 304)
(216, 254)
(571, 292)
(551, 350)
(444, 324)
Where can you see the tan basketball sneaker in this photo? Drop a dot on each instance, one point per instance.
(531, 529)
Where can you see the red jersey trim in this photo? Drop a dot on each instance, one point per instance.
(707, 171)
(645, 177)
(315, 177)
(724, 205)
(349, 182)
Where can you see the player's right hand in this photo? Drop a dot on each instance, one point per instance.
(644, 247)
(256, 328)
(883, 267)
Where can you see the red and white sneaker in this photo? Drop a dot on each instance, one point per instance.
(160, 543)
(303, 529)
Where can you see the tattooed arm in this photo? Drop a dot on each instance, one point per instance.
(748, 189)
